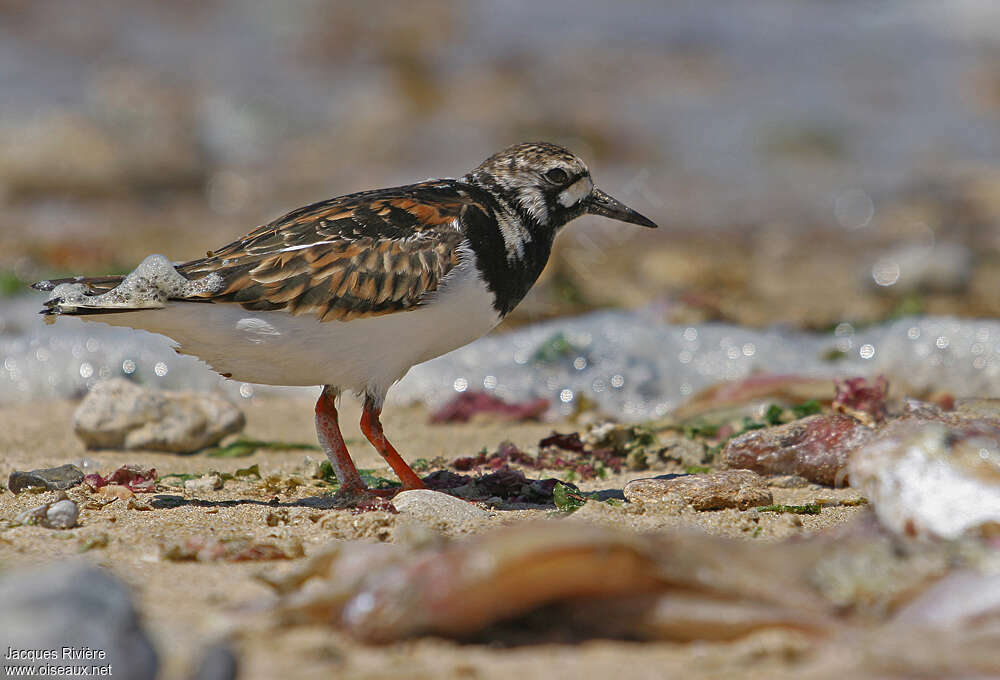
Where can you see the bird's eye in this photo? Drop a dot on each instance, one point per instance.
(557, 176)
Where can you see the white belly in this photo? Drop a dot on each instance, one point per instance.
(367, 354)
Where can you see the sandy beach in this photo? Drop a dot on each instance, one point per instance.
(186, 604)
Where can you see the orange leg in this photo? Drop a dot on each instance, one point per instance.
(372, 428)
(332, 443)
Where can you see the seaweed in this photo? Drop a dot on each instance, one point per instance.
(368, 476)
(807, 509)
(773, 415)
(567, 498)
(465, 405)
(805, 409)
(576, 461)
(247, 447)
(252, 471)
(554, 348)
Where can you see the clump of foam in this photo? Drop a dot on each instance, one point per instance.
(148, 286)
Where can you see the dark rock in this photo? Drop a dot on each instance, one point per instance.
(48, 479)
(79, 606)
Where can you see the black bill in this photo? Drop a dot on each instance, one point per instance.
(599, 203)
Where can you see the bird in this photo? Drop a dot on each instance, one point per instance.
(349, 293)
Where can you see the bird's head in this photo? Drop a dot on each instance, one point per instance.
(548, 185)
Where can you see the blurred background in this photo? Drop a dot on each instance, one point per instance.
(811, 163)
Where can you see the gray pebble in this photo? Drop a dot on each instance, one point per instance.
(210, 482)
(788, 482)
(48, 479)
(60, 514)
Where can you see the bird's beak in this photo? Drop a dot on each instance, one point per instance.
(599, 203)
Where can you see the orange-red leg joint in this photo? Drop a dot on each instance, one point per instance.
(372, 428)
(332, 443)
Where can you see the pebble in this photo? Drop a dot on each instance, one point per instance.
(682, 449)
(788, 482)
(116, 491)
(209, 482)
(435, 506)
(71, 604)
(816, 448)
(60, 514)
(48, 479)
(118, 414)
(710, 491)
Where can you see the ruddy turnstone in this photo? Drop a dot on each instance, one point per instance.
(350, 292)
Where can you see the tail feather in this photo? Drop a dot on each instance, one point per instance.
(151, 285)
(95, 285)
(84, 286)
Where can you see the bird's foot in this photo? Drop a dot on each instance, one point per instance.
(363, 499)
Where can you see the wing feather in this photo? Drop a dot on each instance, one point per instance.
(360, 255)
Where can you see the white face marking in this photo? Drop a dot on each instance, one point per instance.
(514, 236)
(576, 192)
(533, 201)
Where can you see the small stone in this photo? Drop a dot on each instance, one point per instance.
(712, 491)
(116, 491)
(209, 482)
(60, 514)
(435, 506)
(816, 448)
(135, 504)
(118, 414)
(682, 450)
(46, 479)
(788, 482)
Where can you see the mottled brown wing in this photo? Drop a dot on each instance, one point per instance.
(360, 255)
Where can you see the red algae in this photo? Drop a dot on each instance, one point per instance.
(465, 405)
(133, 477)
(862, 400)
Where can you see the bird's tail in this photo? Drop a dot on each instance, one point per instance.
(82, 287)
(151, 285)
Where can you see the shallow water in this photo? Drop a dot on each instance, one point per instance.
(632, 364)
